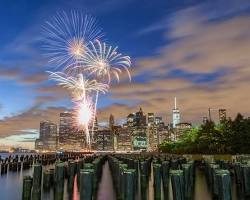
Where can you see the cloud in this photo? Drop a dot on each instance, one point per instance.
(34, 78)
(9, 73)
(215, 51)
(30, 119)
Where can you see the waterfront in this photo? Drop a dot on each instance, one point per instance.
(106, 190)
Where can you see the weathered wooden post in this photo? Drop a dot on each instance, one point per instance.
(130, 183)
(59, 181)
(214, 183)
(187, 174)
(246, 179)
(71, 175)
(143, 180)
(224, 182)
(165, 178)
(86, 184)
(157, 181)
(46, 180)
(37, 179)
(177, 182)
(27, 185)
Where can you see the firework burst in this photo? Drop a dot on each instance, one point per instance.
(104, 61)
(79, 85)
(88, 65)
(83, 115)
(66, 37)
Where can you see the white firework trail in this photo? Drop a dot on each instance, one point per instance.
(79, 85)
(66, 37)
(83, 115)
(104, 61)
(72, 42)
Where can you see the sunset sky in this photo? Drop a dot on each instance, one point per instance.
(198, 52)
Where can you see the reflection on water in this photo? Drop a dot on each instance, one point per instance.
(106, 189)
(201, 188)
(11, 187)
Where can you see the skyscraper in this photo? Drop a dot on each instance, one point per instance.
(65, 127)
(48, 136)
(111, 122)
(222, 115)
(158, 120)
(151, 118)
(176, 114)
(104, 140)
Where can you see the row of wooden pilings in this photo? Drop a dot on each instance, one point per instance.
(16, 163)
(131, 177)
(219, 179)
(88, 171)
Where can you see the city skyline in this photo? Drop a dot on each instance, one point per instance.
(63, 133)
(195, 51)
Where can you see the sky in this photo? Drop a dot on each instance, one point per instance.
(197, 51)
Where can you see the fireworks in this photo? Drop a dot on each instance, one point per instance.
(88, 65)
(66, 37)
(79, 85)
(104, 61)
(82, 116)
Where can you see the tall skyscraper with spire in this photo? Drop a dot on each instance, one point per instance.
(176, 114)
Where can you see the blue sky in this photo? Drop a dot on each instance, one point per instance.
(195, 50)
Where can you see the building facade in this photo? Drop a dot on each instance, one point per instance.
(123, 139)
(48, 139)
(222, 115)
(104, 140)
(176, 115)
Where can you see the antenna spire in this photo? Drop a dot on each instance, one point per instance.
(175, 103)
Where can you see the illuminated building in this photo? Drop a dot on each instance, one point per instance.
(151, 118)
(158, 120)
(180, 129)
(140, 119)
(222, 115)
(176, 114)
(130, 120)
(69, 138)
(111, 122)
(139, 137)
(153, 137)
(137, 128)
(48, 136)
(123, 138)
(104, 140)
(65, 127)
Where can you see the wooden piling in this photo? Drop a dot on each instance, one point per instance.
(86, 184)
(224, 183)
(46, 180)
(165, 178)
(59, 181)
(27, 185)
(130, 183)
(37, 178)
(177, 182)
(157, 181)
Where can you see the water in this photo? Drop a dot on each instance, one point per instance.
(11, 186)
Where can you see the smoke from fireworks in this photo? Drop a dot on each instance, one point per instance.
(72, 42)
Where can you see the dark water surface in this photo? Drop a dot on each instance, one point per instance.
(11, 187)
